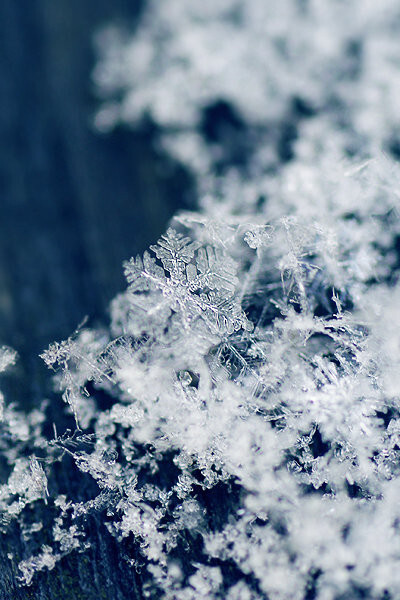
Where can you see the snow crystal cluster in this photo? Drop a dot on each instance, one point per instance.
(261, 66)
(250, 441)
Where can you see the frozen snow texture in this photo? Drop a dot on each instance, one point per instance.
(251, 442)
(265, 61)
(20, 438)
(289, 414)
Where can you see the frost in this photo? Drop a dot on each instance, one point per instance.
(26, 484)
(68, 354)
(257, 367)
(252, 372)
(8, 357)
(250, 444)
(45, 560)
(259, 67)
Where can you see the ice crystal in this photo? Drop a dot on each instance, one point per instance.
(200, 290)
(290, 422)
(239, 419)
(220, 76)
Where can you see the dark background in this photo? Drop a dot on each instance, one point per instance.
(73, 205)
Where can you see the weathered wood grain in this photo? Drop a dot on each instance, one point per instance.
(73, 205)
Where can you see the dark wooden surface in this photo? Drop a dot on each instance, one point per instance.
(73, 205)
